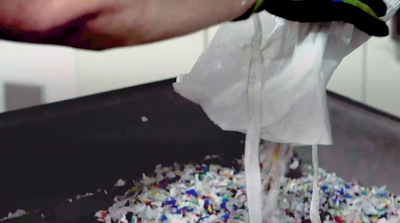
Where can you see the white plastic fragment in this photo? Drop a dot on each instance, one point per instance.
(145, 119)
(16, 214)
(295, 164)
(88, 195)
(120, 183)
(349, 201)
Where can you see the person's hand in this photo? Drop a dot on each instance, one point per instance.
(363, 14)
(105, 24)
(86, 24)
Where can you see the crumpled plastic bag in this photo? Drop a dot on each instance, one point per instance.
(267, 77)
(298, 59)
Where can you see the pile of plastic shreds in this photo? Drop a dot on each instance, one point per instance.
(213, 193)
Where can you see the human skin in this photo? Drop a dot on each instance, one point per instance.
(106, 24)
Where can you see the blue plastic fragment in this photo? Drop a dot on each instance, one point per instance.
(324, 188)
(226, 216)
(347, 186)
(335, 200)
(383, 194)
(187, 209)
(223, 204)
(192, 192)
(235, 207)
(347, 196)
(201, 219)
(164, 218)
(310, 191)
(341, 192)
(171, 202)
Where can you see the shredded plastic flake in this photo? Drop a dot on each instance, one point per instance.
(213, 193)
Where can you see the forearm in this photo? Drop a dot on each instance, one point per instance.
(152, 20)
(104, 24)
(43, 15)
(185, 16)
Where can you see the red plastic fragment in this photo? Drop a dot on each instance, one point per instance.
(338, 219)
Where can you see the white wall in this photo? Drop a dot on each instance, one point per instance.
(383, 75)
(99, 72)
(371, 75)
(52, 68)
(348, 78)
(66, 73)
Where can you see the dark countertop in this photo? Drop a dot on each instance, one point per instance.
(56, 151)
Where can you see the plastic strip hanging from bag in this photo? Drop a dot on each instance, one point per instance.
(314, 207)
(272, 183)
(275, 157)
(252, 163)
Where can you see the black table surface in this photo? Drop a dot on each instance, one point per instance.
(53, 152)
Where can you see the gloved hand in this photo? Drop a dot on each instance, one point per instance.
(363, 14)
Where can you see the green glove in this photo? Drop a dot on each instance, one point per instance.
(362, 14)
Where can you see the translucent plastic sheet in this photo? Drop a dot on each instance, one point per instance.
(298, 60)
(314, 206)
(274, 158)
(251, 158)
(267, 77)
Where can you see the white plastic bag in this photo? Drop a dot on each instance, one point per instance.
(298, 61)
(267, 77)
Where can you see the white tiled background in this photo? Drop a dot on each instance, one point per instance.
(370, 75)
